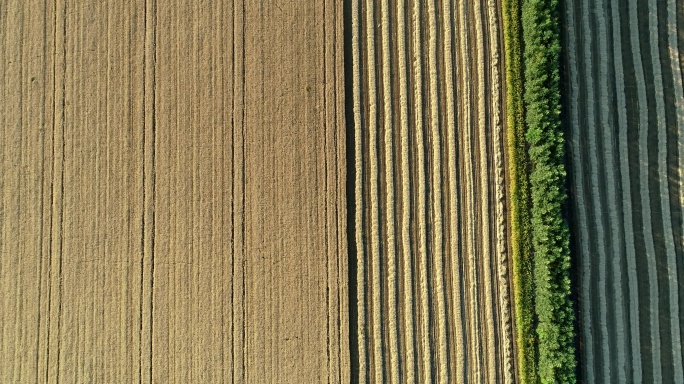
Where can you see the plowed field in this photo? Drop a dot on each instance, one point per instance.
(172, 182)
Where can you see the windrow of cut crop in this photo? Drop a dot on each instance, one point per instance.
(550, 234)
(519, 184)
(432, 298)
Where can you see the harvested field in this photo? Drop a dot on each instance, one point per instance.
(625, 115)
(330, 191)
(429, 269)
(172, 181)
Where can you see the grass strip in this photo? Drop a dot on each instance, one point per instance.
(520, 203)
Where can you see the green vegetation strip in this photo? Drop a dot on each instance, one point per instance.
(519, 169)
(556, 362)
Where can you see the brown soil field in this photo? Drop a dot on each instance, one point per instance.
(172, 182)
(429, 273)
(625, 124)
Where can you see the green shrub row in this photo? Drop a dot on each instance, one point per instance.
(555, 316)
(520, 204)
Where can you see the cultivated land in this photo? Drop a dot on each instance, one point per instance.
(625, 124)
(429, 269)
(173, 203)
(172, 182)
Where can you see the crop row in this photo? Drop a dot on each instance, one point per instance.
(431, 282)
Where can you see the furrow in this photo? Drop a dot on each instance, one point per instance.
(459, 341)
(392, 296)
(374, 207)
(628, 226)
(425, 354)
(609, 179)
(437, 225)
(408, 302)
(578, 177)
(474, 348)
(643, 173)
(595, 191)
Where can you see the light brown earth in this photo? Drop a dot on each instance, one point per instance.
(172, 179)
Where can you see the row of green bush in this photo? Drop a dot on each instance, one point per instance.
(555, 316)
(540, 236)
(520, 208)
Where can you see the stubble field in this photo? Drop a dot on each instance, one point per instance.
(172, 192)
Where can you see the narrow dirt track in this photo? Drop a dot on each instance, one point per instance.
(173, 204)
(626, 124)
(430, 218)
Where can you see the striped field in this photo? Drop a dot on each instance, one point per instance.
(431, 281)
(341, 191)
(625, 115)
(172, 200)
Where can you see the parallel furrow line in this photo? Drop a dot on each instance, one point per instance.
(609, 179)
(645, 192)
(474, 349)
(458, 374)
(588, 56)
(671, 258)
(389, 182)
(374, 207)
(410, 364)
(628, 226)
(437, 223)
(578, 176)
(422, 225)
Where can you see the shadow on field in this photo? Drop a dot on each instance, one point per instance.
(350, 188)
(569, 203)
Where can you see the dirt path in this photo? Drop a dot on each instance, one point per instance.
(173, 192)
